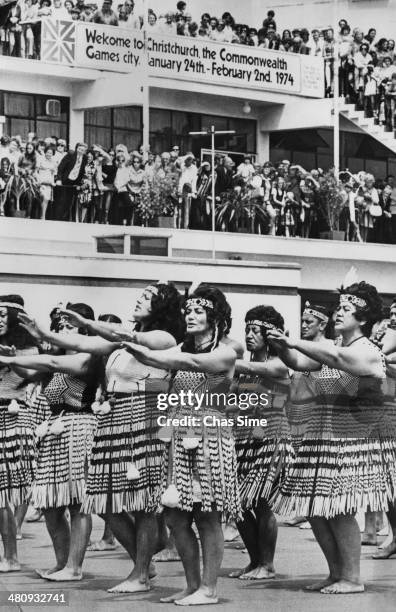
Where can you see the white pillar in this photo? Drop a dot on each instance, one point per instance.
(76, 131)
(262, 145)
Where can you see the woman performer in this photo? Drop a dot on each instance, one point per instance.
(16, 434)
(64, 447)
(199, 477)
(263, 453)
(342, 464)
(126, 458)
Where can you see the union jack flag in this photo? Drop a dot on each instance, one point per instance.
(58, 41)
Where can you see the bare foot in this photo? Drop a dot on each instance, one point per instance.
(343, 587)
(199, 598)
(67, 574)
(386, 552)
(369, 539)
(240, 572)
(45, 573)
(258, 573)
(176, 596)
(152, 571)
(297, 520)
(19, 535)
(102, 545)
(167, 554)
(9, 566)
(318, 586)
(130, 586)
(305, 525)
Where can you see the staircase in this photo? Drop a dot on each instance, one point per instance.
(387, 139)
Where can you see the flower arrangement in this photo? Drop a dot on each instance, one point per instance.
(331, 200)
(158, 197)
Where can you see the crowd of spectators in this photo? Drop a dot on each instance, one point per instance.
(42, 179)
(367, 72)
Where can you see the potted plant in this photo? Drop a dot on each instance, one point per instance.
(21, 190)
(331, 203)
(238, 211)
(157, 201)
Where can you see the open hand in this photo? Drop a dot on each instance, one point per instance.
(123, 335)
(73, 317)
(279, 339)
(31, 326)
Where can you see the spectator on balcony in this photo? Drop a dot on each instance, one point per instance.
(13, 29)
(29, 20)
(45, 9)
(328, 54)
(28, 160)
(4, 146)
(205, 22)
(46, 171)
(61, 150)
(370, 38)
(89, 197)
(193, 29)
(371, 94)
(168, 25)
(105, 15)
(122, 210)
(358, 38)
(181, 26)
(60, 10)
(367, 196)
(40, 149)
(87, 12)
(224, 176)
(137, 179)
(382, 50)
(152, 23)
(362, 59)
(187, 189)
(6, 173)
(14, 154)
(122, 14)
(69, 178)
(68, 4)
(391, 49)
(316, 43)
(134, 21)
(245, 170)
(390, 102)
(75, 13)
(219, 34)
(181, 9)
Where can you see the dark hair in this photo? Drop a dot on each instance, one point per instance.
(85, 311)
(267, 314)
(165, 312)
(328, 330)
(16, 335)
(372, 312)
(109, 318)
(219, 317)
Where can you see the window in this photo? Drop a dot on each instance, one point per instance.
(123, 124)
(125, 244)
(26, 113)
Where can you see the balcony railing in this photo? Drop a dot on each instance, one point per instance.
(115, 49)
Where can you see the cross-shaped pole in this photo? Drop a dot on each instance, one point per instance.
(213, 132)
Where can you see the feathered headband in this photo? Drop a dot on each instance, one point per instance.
(315, 313)
(347, 298)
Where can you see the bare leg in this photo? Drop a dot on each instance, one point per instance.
(347, 535)
(369, 536)
(248, 530)
(169, 553)
(59, 530)
(44, 206)
(8, 533)
(20, 513)
(147, 543)
(179, 522)
(107, 541)
(124, 529)
(389, 550)
(81, 526)
(327, 542)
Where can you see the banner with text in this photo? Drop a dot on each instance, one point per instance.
(122, 50)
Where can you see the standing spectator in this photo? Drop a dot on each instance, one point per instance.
(4, 146)
(90, 193)
(367, 196)
(277, 199)
(14, 154)
(60, 11)
(316, 43)
(5, 175)
(246, 169)
(362, 59)
(219, 34)
(168, 26)
(134, 22)
(69, 178)
(370, 94)
(29, 19)
(105, 15)
(328, 54)
(61, 150)
(370, 38)
(46, 171)
(205, 22)
(224, 176)
(152, 24)
(137, 180)
(122, 210)
(28, 161)
(187, 188)
(14, 29)
(392, 210)
(390, 103)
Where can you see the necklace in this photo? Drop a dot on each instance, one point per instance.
(356, 339)
(198, 347)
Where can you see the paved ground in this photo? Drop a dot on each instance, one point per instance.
(298, 561)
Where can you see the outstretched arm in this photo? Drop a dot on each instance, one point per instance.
(273, 368)
(71, 342)
(68, 364)
(356, 360)
(220, 360)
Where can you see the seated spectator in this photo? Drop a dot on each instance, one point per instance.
(105, 15)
